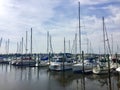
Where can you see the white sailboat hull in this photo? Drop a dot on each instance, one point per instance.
(42, 64)
(79, 68)
(55, 66)
(98, 70)
(118, 69)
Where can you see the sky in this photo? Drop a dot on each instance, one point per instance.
(60, 19)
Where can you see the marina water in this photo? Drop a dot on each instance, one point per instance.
(34, 78)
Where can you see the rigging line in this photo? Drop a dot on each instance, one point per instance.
(51, 48)
(107, 40)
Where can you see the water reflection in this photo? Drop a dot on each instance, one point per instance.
(33, 78)
(118, 81)
(63, 78)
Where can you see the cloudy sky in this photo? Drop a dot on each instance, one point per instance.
(60, 18)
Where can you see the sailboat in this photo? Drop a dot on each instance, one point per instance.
(88, 66)
(104, 65)
(61, 61)
(44, 60)
(28, 59)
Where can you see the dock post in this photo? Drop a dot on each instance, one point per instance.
(109, 71)
(108, 63)
(116, 57)
(83, 60)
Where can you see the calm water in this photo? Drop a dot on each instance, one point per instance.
(14, 78)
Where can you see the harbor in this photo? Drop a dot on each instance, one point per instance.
(34, 78)
(59, 45)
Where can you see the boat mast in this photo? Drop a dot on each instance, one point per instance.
(112, 43)
(7, 46)
(75, 42)
(31, 42)
(91, 50)
(51, 48)
(64, 54)
(48, 42)
(64, 46)
(87, 46)
(26, 42)
(79, 29)
(105, 31)
(22, 46)
(69, 47)
(48, 46)
(104, 37)
(17, 48)
(0, 44)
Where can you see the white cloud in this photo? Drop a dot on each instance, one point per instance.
(93, 2)
(115, 11)
(17, 16)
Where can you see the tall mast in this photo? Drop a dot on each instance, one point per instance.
(112, 43)
(20, 49)
(31, 42)
(64, 54)
(76, 43)
(51, 48)
(79, 29)
(87, 45)
(104, 36)
(117, 49)
(8, 45)
(91, 50)
(69, 47)
(17, 48)
(22, 46)
(109, 49)
(26, 42)
(48, 42)
(64, 46)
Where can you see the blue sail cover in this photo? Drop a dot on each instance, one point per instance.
(68, 55)
(91, 59)
(1, 58)
(44, 58)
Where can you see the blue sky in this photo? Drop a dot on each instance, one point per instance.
(60, 18)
